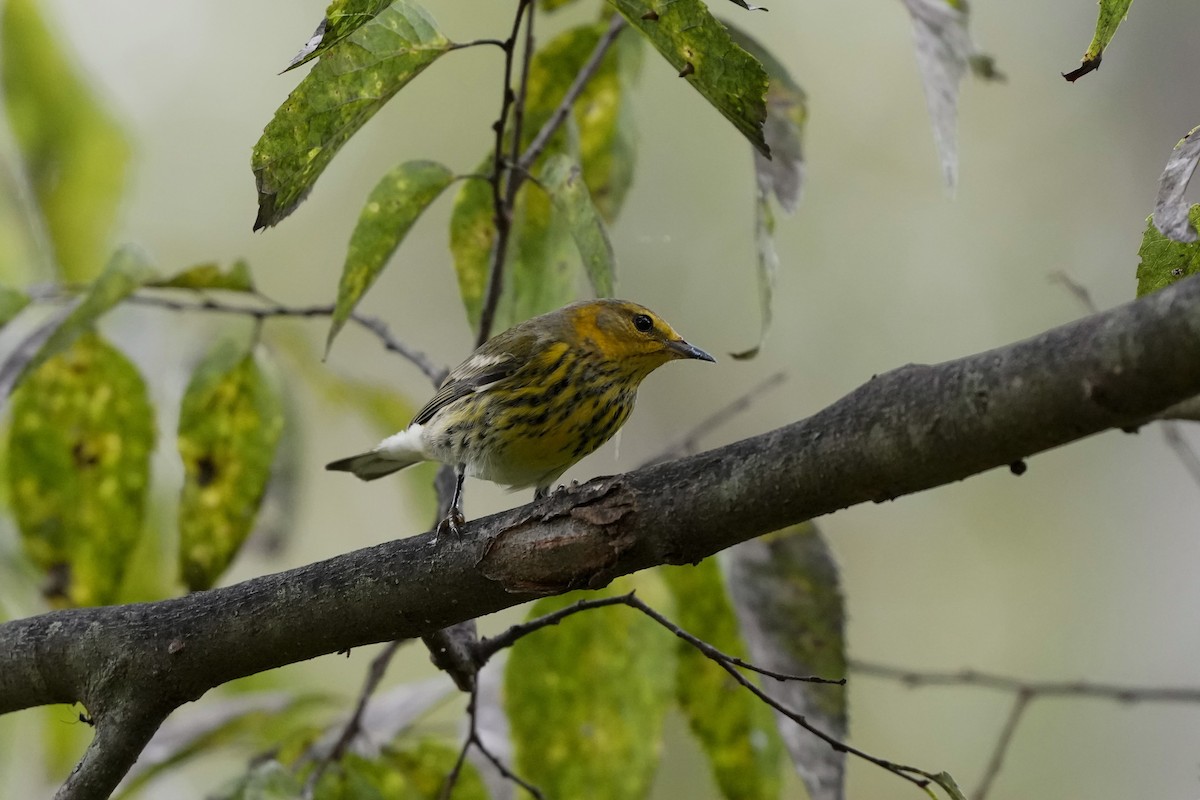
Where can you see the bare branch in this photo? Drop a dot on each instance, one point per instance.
(473, 740)
(996, 762)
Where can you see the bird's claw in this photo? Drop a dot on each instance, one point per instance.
(453, 523)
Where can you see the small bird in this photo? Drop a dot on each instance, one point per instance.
(533, 400)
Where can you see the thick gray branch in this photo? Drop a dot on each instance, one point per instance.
(911, 429)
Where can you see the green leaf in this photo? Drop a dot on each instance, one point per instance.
(735, 728)
(74, 154)
(700, 49)
(1112, 14)
(948, 783)
(352, 81)
(342, 18)
(127, 270)
(586, 701)
(472, 236)
(781, 175)
(210, 276)
(266, 780)
(79, 465)
(785, 592)
(1164, 260)
(412, 771)
(229, 426)
(12, 302)
(393, 207)
(563, 178)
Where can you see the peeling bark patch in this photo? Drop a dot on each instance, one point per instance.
(581, 546)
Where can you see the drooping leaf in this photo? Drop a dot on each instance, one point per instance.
(1112, 14)
(563, 178)
(700, 49)
(586, 701)
(393, 207)
(781, 175)
(74, 154)
(12, 302)
(785, 592)
(353, 80)
(126, 271)
(79, 465)
(1164, 260)
(210, 276)
(342, 18)
(735, 728)
(1170, 209)
(229, 425)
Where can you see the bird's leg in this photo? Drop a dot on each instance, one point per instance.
(454, 517)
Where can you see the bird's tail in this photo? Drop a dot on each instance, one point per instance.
(374, 464)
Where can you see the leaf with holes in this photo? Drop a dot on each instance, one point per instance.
(700, 50)
(586, 700)
(342, 18)
(74, 154)
(229, 426)
(785, 592)
(393, 207)
(1164, 260)
(1112, 14)
(352, 81)
(79, 466)
(210, 276)
(734, 727)
(563, 179)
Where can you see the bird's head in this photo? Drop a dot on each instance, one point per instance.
(629, 334)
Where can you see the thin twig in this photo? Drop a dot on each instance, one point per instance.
(996, 762)
(353, 726)
(473, 740)
(1106, 691)
(1077, 289)
(690, 441)
(501, 209)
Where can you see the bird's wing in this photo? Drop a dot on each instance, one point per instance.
(496, 360)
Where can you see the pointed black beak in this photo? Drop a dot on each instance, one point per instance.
(685, 350)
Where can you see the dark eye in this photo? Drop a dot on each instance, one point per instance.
(643, 323)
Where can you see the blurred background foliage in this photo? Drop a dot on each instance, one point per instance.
(1082, 568)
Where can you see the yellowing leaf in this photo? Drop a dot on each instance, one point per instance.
(700, 50)
(74, 154)
(79, 464)
(352, 81)
(210, 276)
(734, 727)
(393, 207)
(586, 700)
(229, 426)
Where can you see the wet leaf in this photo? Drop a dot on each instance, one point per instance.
(700, 49)
(74, 154)
(229, 425)
(342, 18)
(563, 178)
(735, 728)
(1112, 14)
(79, 465)
(1164, 260)
(352, 81)
(393, 207)
(786, 595)
(1170, 209)
(210, 276)
(586, 701)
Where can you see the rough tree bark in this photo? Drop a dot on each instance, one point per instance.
(911, 429)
